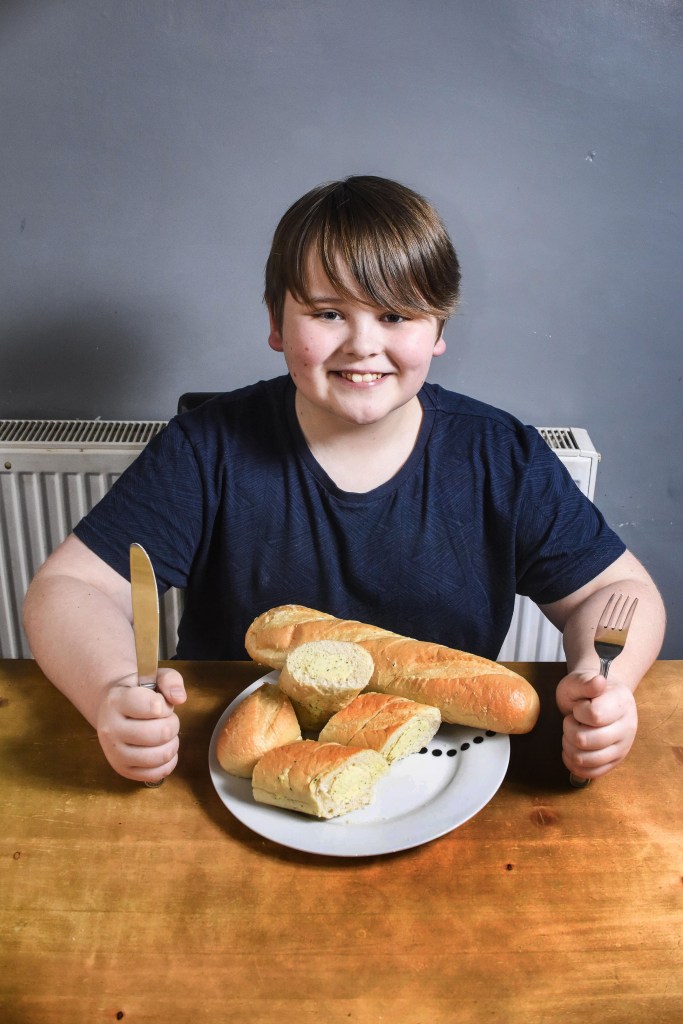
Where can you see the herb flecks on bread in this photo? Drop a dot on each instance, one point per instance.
(322, 677)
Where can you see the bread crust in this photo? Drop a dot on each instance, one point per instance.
(301, 777)
(393, 726)
(263, 720)
(467, 689)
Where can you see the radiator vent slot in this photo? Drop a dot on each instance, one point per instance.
(559, 438)
(78, 432)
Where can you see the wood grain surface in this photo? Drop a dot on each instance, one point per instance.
(125, 903)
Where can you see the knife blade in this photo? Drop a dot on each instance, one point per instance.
(145, 598)
(145, 615)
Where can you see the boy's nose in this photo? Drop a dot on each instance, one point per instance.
(362, 340)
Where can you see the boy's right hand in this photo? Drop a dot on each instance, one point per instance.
(138, 728)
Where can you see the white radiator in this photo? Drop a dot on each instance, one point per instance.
(53, 471)
(531, 637)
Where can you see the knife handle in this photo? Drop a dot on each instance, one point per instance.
(152, 785)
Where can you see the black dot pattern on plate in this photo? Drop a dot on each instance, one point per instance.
(452, 751)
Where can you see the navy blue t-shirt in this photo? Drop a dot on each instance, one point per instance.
(231, 505)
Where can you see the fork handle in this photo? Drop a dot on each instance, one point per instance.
(575, 781)
(604, 666)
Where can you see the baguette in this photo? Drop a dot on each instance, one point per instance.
(467, 689)
(320, 779)
(265, 719)
(393, 726)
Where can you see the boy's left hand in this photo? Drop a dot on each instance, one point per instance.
(600, 723)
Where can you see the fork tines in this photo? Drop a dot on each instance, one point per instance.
(617, 616)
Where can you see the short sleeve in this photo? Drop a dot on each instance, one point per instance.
(562, 540)
(157, 502)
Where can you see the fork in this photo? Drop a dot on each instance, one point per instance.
(610, 637)
(612, 630)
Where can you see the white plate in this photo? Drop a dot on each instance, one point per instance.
(420, 798)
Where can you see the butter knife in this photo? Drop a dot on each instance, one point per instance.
(145, 599)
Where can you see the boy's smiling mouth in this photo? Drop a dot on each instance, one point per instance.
(359, 378)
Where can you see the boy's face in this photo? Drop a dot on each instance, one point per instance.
(351, 361)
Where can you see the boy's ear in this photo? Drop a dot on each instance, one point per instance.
(440, 346)
(275, 336)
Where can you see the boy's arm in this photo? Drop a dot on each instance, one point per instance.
(77, 616)
(600, 715)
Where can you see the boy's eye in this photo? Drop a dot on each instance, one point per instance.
(326, 314)
(394, 318)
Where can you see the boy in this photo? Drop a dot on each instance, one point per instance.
(351, 486)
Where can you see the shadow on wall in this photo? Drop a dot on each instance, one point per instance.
(86, 362)
(13, 8)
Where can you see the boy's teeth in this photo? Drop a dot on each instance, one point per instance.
(361, 378)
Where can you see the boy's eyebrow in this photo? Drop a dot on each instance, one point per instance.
(336, 300)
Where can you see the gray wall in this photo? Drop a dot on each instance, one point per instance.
(149, 147)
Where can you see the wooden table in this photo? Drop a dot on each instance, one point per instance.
(125, 903)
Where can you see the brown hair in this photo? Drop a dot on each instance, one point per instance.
(390, 239)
